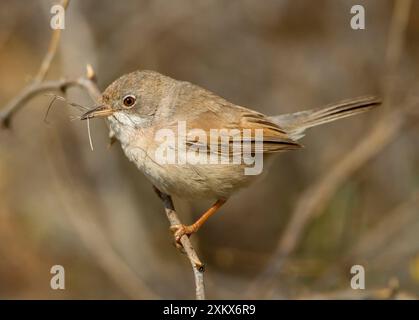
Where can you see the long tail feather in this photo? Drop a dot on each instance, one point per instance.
(296, 123)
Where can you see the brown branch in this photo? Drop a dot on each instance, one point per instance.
(197, 266)
(34, 89)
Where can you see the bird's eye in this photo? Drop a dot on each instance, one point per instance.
(129, 100)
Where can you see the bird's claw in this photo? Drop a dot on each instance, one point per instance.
(180, 230)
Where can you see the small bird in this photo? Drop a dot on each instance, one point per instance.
(140, 104)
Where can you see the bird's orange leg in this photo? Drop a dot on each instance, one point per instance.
(181, 230)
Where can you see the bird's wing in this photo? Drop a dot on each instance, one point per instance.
(234, 123)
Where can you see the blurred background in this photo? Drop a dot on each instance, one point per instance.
(350, 197)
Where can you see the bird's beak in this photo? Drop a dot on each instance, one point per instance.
(100, 111)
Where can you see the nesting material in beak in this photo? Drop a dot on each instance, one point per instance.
(100, 111)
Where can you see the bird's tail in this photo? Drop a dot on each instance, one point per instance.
(296, 123)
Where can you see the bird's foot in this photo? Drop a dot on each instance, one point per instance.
(180, 230)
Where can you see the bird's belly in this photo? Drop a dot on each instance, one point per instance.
(196, 181)
(190, 181)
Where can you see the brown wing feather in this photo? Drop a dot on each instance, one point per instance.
(275, 139)
(199, 104)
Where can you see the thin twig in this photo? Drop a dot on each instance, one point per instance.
(31, 91)
(197, 266)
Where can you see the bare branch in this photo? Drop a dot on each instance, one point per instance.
(197, 265)
(35, 89)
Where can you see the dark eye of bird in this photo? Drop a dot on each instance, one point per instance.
(129, 100)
